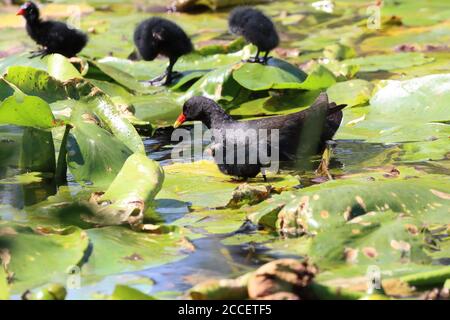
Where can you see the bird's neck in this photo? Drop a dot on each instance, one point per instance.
(33, 20)
(216, 117)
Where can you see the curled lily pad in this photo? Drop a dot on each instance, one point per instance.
(123, 203)
(93, 154)
(60, 68)
(39, 83)
(112, 119)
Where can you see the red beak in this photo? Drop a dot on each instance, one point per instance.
(181, 119)
(21, 12)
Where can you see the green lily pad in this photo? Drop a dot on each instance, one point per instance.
(420, 99)
(352, 92)
(35, 82)
(216, 85)
(319, 207)
(209, 187)
(159, 109)
(39, 83)
(93, 154)
(27, 111)
(123, 203)
(277, 74)
(118, 249)
(22, 60)
(122, 292)
(4, 287)
(122, 78)
(40, 256)
(60, 68)
(403, 111)
(388, 62)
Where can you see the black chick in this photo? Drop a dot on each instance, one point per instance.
(301, 133)
(256, 28)
(53, 36)
(156, 36)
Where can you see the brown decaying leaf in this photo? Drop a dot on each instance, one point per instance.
(284, 275)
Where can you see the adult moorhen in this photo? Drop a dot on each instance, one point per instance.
(256, 28)
(299, 134)
(53, 36)
(156, 36)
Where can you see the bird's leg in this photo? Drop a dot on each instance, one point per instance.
(263, 173)
(39, 53)
(266, 58)
(168, 75)
(156, 81)
(171, 75)
(254, 59)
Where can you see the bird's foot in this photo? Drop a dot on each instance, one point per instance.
(163, 80)
(239, 179)
(38, 53)
(265, 60)
(252, 60)
(156, 83)
(176, 74)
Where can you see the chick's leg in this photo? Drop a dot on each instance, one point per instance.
(42, 52)
(255, 59)
(169, 75)
(158, 79)
(266, 58)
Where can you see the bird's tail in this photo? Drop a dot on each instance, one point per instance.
(322, 101)
(333, 108)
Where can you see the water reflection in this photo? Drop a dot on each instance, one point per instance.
(23, 195)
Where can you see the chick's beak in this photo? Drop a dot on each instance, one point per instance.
(181, 119)
(21, 12)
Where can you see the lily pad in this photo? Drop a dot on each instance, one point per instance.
(27, 111)
(93, 154)
(420, 99)
(352, 92)
(60, 68)
(41, 255)
(118, 249)
(124, 203)
(387, 62)
(277, 74)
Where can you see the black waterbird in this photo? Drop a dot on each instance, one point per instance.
(156, 36)
(305, 132)
(53, 36)
(256, 28)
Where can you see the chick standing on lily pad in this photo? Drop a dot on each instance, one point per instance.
(257, 29)
(156, 36)
(53, 36)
